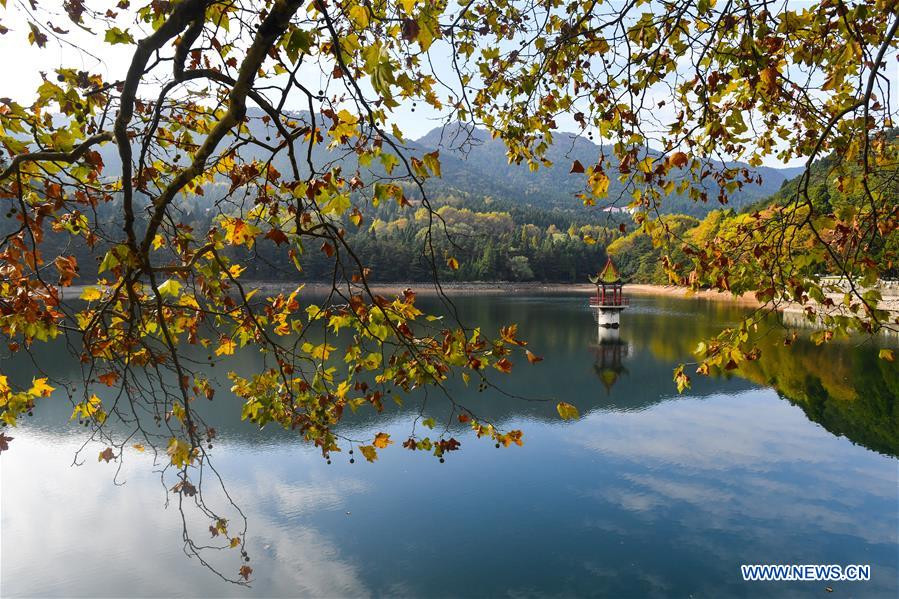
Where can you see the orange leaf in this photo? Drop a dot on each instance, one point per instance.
(678, 159)
(382, 440)
(109, 379)
(532, 357)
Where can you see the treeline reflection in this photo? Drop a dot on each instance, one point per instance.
(842, 386)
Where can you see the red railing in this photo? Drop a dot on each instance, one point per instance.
(597, 302)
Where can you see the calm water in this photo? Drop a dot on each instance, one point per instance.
(650, 493)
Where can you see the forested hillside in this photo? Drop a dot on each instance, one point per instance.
(832, 191)
(498, 221)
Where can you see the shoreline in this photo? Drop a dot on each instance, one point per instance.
(486, 288)
(426, 289)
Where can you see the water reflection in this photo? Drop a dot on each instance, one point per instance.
(650, 493)
(610, 352)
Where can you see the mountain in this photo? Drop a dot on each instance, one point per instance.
(475, 168)
(480, 167)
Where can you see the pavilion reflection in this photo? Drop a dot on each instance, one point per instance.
(611, 352)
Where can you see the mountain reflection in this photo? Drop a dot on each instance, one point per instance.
(632, 499)
(842, 386)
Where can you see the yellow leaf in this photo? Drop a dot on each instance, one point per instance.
(226, 347)
(567, 411)
(599, 184)
(91, 294)
(40, 388)
(369, 452)
(139, 447)
(359, 15)
(170, 288)
(886, 354)
(179, 452)
(452, 263)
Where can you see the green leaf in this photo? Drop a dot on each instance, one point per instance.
(117, 36)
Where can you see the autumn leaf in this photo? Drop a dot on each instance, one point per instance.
(678, 159)
(226, 347)
(109, 379)
(40, 388)
(410, 30)
(4, 441)
(683, 380)
(245, 572)
(382, 440)
(768, 81)
(114, 35)
(277, 235)
(532, 357)
(171, 288)
(577, 167)
(107, 454)
(886, 354)
(452, 263)
(509, 334)
(68, 269)
(91, 294)
(369, 452)
(504, 365)
(567, 411)
(235, 542)
(179, 452)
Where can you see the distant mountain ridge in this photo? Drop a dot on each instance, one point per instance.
(481, 160)
(474, 167)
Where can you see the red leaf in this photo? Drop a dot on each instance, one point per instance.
(410, 30)
(277, 235)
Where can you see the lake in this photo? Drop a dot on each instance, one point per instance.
(790, 460)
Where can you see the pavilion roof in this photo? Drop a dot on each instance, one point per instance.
(609, 274)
